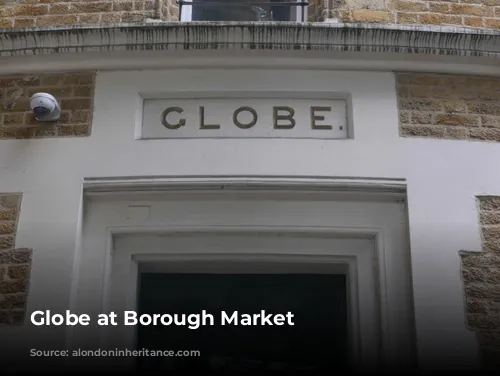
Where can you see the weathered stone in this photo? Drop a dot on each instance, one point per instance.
(90, 19)
(24, 22)
(13, 287)
(484, 108)
(491, 233)
(492, 23)
(5, 318)
(460, 120)
(6, 242)
(13, 301)
(18, 272)
(472, 10)
(483, 322)
(454, 106)
(9, 201)
(457, 133)
(424, 79)
(489, 203)
(7, 213)
(479, 259)
(422, 131)
(411, 6)
(137, 16)
(440, 19)
(16, 256)
(404, 117)
(470, 103)
(482, 274)
(92, 7)
(30, 10)
(83, 91)
(490, 121)
(490, 218)
(483, 291)
(421, 118)
(7, 227)
(58, 20)
(420, 91)
(372, 16)
(477, 306)
(475, 275)
(407, 18)
(120, 6)
(439, 7)
(110, 18)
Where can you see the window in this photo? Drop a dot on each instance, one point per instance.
(243, 10)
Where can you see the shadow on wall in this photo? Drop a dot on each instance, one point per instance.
(481, 278)
(15, 264)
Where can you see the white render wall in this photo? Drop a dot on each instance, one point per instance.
(443, 179)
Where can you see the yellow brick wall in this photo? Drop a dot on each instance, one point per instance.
(74, 91)
(15, 264)
(446, 106)
(462, 13)
(481, 276)
(43, 13)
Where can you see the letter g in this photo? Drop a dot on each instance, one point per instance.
(33, 318)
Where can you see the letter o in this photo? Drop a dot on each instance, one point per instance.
(145, 320)
(166, 320)
(245, 126)
(57, 319)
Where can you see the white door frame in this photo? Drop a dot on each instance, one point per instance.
(134, 201)
(197, 249)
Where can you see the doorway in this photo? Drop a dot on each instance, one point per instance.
(360, 235)
(315, 338)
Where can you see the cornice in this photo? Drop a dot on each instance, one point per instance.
(270, 36)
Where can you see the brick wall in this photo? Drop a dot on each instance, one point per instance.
(75, 92)
(15, 264)
(464, 13)
(481, 276)
(28, 13)
(449, 106)
(44, 13)
(468, 13)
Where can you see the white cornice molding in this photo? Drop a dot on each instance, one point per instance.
(93, 186)
(418, 39)
(166, 45)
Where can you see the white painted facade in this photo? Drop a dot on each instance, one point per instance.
(442, 179)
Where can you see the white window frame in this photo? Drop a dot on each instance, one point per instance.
(187, 12)
(380, 276)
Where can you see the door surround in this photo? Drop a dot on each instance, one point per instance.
(178, 209)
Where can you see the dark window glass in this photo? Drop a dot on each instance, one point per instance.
(318, 341)
(244, 10)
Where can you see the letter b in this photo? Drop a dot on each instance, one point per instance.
(289, 117)
(71, 318)
(130, 318)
